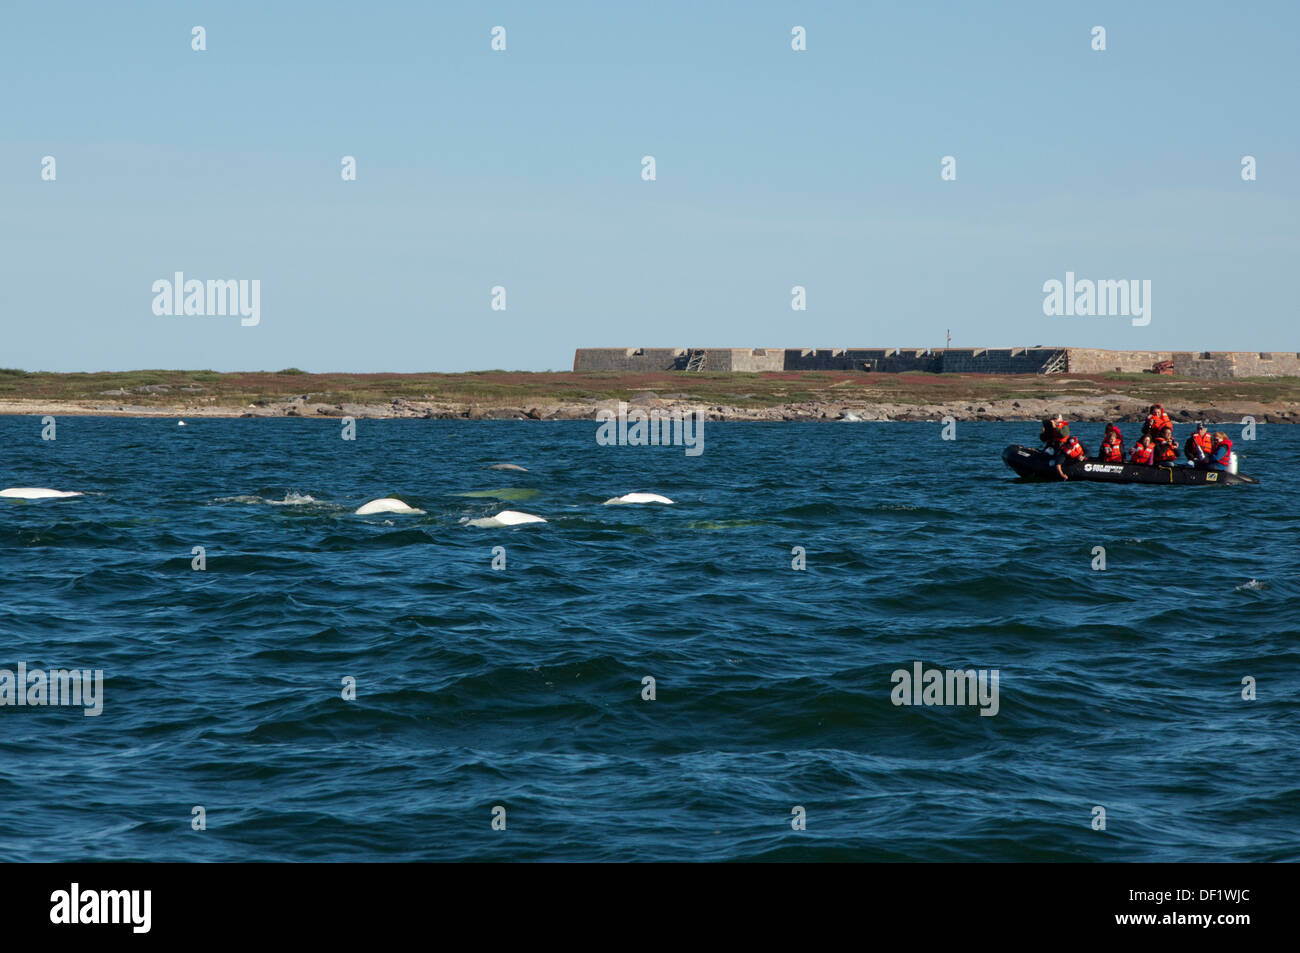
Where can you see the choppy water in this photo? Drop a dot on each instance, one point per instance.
(522, 688)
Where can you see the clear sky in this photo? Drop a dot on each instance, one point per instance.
(522, 169)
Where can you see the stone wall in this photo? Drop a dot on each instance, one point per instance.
(1005, 360)
(1087, 360)
(629, 359)
(1236, 364)
(675, 359)
(755, 359)
(887, 360)
(1032, 360)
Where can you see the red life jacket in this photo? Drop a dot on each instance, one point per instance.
(1141, 454)
(1222, 454)
(1112, 452)
(1157, 423)
(1165, 451)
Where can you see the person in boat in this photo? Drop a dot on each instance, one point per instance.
(1157, 420)
(1166, 448)
(1068, 450)
(1198, 445)
(1055, 430)
(1112, 446)
(1220, 455)
(1143, 452)
(1063, 447)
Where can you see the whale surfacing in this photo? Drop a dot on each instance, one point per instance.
(507, 466)
(36, 493)
(387, 505)
(505, 518)
(638, 498)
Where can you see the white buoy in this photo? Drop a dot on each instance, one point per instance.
(638, 498)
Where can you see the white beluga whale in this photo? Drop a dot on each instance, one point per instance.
(36, 493)
(638, 498)
(386, 505)
(507, 466)
(505, 518)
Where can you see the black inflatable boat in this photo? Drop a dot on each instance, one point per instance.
(1037, 465)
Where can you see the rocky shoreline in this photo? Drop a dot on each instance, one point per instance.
(1093, 408)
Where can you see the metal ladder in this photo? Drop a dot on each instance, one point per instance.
(697, 359)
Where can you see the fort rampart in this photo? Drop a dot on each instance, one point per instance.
(1015, 360)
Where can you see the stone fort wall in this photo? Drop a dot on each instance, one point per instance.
(1017, 360)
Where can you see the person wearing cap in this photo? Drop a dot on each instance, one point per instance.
(1198, 445)
(1055, 430)
(1068, 449)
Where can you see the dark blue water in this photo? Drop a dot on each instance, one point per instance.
(522, 688)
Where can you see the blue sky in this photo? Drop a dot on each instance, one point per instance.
(522, 168)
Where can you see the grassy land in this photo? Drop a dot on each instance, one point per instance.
(513, 388)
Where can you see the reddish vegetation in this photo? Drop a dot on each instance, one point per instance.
(497, 388)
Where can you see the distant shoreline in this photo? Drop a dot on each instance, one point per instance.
(505, 395)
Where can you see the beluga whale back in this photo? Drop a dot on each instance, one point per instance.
(388, 504)
(638, 498)
(505, 518)
(36, 493)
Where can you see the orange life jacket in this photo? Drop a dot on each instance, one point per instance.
(1141, 454)
(1112, 452)
(1073, 449)
(1204, 440)
(1165, 451)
